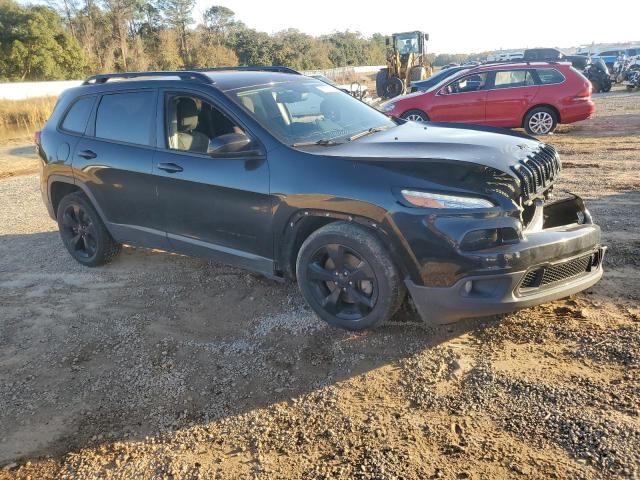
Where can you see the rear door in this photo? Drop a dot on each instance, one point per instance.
(114, 161)
(510, 95)
(462, 100)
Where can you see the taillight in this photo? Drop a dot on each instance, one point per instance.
(36, 137)
(583, 95)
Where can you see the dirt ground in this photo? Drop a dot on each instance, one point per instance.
(162, 366)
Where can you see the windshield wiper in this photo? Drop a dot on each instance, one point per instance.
(325, 142)
(366, 132)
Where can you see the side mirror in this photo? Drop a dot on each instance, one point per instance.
(228, 143)
(426, 37)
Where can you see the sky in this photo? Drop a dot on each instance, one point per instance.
(458, 26)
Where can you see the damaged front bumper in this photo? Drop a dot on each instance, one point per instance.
(559, 255)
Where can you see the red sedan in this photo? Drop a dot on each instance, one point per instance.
(535, 96)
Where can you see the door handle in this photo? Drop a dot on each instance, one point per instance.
(170, 167)
(87, 154)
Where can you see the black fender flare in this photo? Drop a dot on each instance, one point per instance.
(383, 229)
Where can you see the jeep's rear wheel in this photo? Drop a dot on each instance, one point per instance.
(83, 233)
(346, 275)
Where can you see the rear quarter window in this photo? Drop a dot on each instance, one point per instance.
(549, 76)
(78, 115)
(126, 117)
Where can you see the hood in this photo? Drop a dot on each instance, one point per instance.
(491, 147)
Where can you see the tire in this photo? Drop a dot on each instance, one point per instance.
(348, 278)
(395, 87)
(381, 83)
(83, 233)
(415, 116)
(540, 121)
(595, 86)
(607, 87)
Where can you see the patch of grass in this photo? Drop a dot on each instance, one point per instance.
(20, 118)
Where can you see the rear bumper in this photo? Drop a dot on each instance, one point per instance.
(494, 294)
(579, 111)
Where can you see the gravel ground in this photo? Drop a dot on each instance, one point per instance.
(162, 366)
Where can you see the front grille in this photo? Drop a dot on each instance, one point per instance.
(537, 172)
(549, 275)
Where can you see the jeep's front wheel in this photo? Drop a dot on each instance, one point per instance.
(346, 275)
(83, 233)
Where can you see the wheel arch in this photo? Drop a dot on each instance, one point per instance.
(546, 105)
(60, 187)
(421, 110)
(304, 222)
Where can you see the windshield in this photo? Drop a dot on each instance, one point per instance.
(324, 79)
(407, 43)
(308, 111)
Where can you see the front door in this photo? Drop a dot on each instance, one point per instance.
(462, 100)
(213, 204)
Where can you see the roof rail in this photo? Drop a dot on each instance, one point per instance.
(181, 74)
(251, 68)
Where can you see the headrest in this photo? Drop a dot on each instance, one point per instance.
(248, 104)
(187, 114)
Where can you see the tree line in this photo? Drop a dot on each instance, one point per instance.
(68, 39)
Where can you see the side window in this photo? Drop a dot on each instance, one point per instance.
(549, 76)
(126, 117)
(513, 78)
(192, 123)
(78, 115)
(469, 83)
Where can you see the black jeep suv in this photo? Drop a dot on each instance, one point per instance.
(290, 177)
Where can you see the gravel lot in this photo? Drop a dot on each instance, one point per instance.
(162, 366)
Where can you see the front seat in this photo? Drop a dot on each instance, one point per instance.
(188, 137)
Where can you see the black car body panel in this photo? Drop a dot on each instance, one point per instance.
(253, 210)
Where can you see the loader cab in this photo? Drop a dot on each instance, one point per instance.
(409, 42)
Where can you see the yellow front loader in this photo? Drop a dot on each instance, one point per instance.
(406, 62)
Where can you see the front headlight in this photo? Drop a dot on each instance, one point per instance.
(438, 200)
(387, 107)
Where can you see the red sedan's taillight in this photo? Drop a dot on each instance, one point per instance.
(36, 137)
(584, 95)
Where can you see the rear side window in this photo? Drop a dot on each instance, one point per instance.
(549, 76)
(78, 115)
(513, 78)
(126, 117)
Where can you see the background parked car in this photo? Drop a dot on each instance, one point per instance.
(536, 96)
(436, 78)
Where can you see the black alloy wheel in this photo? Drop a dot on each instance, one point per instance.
(83, 233)
(347, 276)
(79, 232)
(342, 282)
